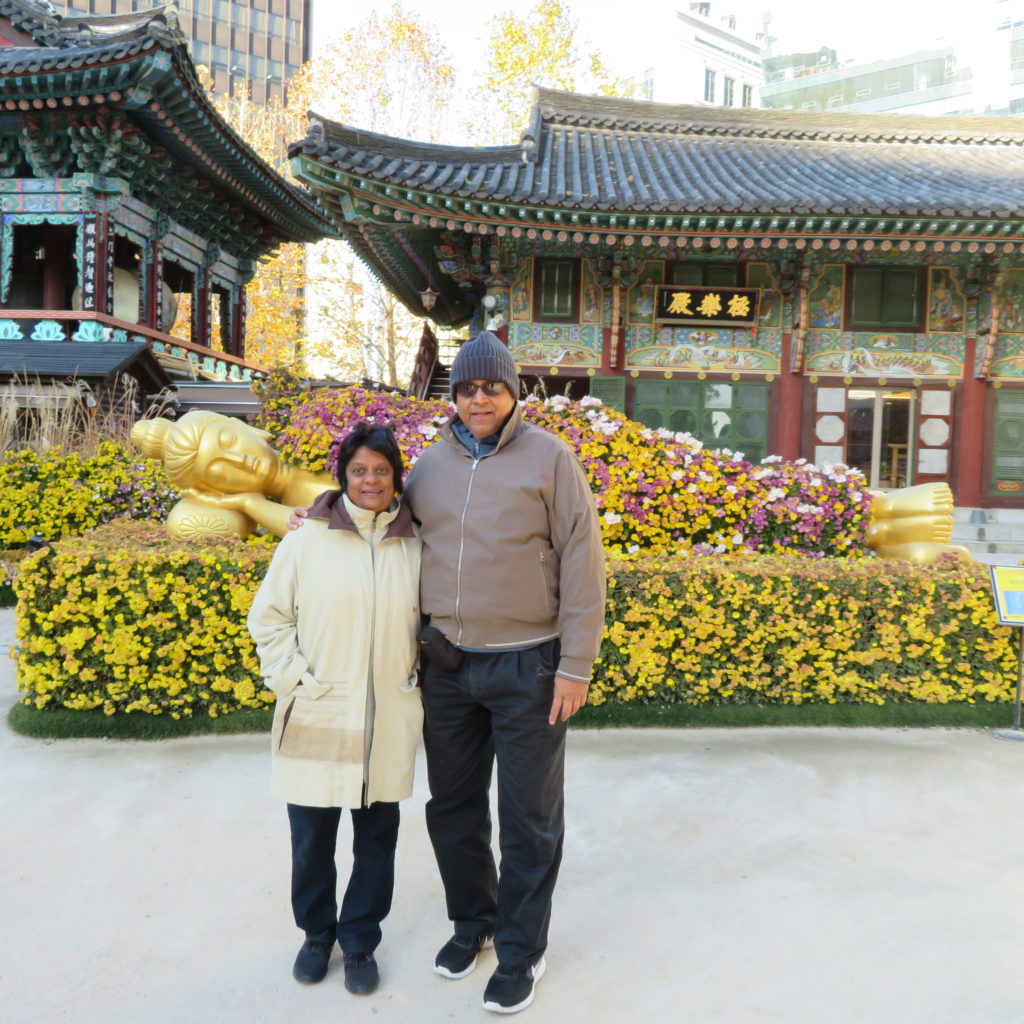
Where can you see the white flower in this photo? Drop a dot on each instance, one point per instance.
(589, 401)
(611, 518)
(737, 539)
(677, 475)
(428, 431)
(633, 548)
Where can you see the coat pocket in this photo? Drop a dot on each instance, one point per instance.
(548, 563)
(320, 730)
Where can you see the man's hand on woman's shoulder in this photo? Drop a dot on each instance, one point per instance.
(298, 514)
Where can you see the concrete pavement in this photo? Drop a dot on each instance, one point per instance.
(713, 877)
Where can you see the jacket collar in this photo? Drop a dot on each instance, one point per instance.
(331, 506)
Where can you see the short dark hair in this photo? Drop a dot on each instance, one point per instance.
(377, 438)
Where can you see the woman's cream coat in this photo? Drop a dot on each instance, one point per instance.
(337, 611)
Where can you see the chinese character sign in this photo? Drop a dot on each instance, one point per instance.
(692, 305)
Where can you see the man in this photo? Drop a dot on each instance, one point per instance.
(513, 576)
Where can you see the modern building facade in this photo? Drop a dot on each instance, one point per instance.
(979, 72)
(845, 288)
(696, 55)
(254, 45)
(923, 82)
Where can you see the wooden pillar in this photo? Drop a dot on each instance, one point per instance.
(970, 428)
(236, 321)
(201, 307)
(104, 265)
(55, 267)
(150, 286)
(788, 400)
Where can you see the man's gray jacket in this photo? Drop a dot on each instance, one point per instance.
(512, 551)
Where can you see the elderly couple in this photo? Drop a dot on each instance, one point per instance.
(513, 580)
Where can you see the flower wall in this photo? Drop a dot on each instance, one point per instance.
(127, 621)
(798, 630)
(57, 494)
(655, 490)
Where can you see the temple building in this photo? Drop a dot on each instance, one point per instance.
(123, 194)
(839, 287)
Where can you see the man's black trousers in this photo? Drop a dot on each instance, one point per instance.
(496, 706)
(367, 899)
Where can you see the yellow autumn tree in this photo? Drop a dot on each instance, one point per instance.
(543, 47)
(389, 74)
(275, 308)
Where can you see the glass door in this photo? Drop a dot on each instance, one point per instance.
(879, 435)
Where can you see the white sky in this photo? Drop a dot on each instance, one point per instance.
(863, 30)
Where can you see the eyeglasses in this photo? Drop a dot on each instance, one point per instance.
(491, 388)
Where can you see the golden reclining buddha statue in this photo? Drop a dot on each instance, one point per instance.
(227, 474)
(232, 481)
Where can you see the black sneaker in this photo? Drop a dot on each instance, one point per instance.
(510, 991)
(361, 975)
(311, 963)
(457, 957)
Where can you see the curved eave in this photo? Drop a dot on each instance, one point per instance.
(159, 89)
(597, 160)
(389, 204)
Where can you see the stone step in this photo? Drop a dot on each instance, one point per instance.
(996, 557)
(983, 516)
(995, 554)
(990, 533)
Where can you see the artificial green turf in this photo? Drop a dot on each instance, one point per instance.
(732, 716)
(64, 724)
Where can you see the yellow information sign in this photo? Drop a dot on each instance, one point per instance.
(1008, 592)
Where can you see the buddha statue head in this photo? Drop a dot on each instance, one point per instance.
(206, 451)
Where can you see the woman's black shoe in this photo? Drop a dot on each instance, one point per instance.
(311, 963)
(361, 975)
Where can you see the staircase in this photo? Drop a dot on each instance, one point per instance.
(992, 535)
(440, 379)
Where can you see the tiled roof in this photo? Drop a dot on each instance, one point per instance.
(31, 360)
(138, 29)
(601, 154)
(140, 62)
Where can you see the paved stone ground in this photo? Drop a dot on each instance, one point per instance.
(786, 876)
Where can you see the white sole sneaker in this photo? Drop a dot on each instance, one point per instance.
(453, 975)
(538, 973)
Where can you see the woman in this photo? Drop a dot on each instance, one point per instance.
(224, 468)
(334, 624)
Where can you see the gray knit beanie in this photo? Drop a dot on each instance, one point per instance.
(485, 357)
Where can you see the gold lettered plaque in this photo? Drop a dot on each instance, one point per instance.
(694, 306)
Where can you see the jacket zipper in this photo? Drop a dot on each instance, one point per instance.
(369, 719)
(462, 547)
(544, 579)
